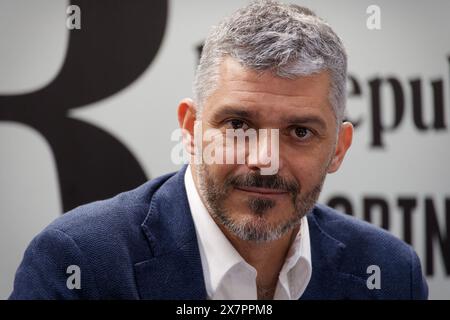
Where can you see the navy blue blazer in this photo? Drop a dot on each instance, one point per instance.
(142, 244)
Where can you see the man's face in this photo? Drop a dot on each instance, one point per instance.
(264, 207)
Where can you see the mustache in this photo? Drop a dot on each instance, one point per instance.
(256, 180)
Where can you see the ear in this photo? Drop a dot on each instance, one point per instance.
(344, 142)
(186, 121)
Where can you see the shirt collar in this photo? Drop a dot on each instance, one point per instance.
(219, 256)
(297, 269)
(216, 263)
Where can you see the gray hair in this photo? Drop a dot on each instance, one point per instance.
(288, 40)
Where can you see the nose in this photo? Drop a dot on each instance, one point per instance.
(264, 156)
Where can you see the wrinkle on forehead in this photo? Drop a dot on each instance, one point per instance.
(270, 96)
(233, 75)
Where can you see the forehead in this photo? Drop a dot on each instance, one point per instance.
(267, 94)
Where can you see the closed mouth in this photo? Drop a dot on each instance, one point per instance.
(262, 191)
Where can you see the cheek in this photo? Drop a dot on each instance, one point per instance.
(308, 170)
(316, 155)
(219, 172)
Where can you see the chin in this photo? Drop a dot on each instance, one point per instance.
(273, 216)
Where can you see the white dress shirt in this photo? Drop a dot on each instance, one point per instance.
(227, 275)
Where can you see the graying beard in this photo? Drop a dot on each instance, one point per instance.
(251, 230)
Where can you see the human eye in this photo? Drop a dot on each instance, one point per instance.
(301, 133)
(236, 124)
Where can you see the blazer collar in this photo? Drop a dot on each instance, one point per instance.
(175, 270)
(328, 281)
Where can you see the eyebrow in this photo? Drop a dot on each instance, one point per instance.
(234, 112)
(307, 119)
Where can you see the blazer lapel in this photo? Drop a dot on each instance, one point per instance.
(175, 270)
(327, 280)
(326, 253)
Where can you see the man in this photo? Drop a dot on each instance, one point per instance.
(237, 229)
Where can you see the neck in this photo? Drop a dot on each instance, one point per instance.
(266, 257)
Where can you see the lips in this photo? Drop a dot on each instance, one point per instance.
(262, 191)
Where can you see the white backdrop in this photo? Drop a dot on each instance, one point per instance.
(413, 43)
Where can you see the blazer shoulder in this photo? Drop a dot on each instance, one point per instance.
(103, 239)
(117, 214)
(366, 245)
(354, 232)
